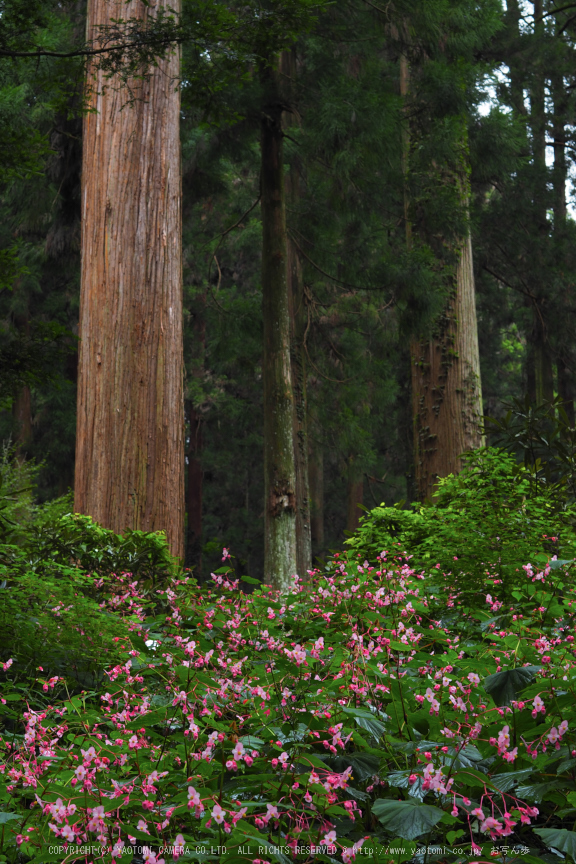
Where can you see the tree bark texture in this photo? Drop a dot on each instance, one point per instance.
(130, 425)
(445, 371)
(298, 365)
(279, 462)
(297, 309)
(446, 390)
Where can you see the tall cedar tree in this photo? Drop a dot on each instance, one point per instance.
(130, 422)
(445, 366)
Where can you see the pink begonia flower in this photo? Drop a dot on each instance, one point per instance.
(538, 706)
(491, 826)
(178, 847)
(194, 799)
(349, 854)
(272, 812)
(67, 833)
(238, 751)
(329, 839)
(218, 814)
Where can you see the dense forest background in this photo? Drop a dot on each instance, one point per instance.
(491, 95)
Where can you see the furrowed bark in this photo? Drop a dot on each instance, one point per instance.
(446, 390)
(279, 462)
(445, 371)
(130, 424)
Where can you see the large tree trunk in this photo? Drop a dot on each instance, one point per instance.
(446, 391)
(130, 426)
(279, 463)
(445, 371)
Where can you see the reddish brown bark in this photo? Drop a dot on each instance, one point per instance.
(130, 426)
(445, 371)
(446, 393)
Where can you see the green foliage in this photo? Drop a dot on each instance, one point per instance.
(53, 616)
(544, 438)
(50, 544)
(488, 519)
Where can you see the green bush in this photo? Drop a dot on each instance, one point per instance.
(491, 518)
(61, 577)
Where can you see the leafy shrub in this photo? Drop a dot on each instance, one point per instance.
(488, 519)
(59, 574)
(76, 539)
(63, 623)
(372, 711)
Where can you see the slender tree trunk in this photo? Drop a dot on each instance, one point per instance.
(540, 359)
(513, 16)
(298, 362)
(130, 425)
(195, 474)
(279, 463)
(297, 308)
(354, 498)
(565, 359)
(22, 417)
(316, 474)
(22, 405)
(194, 492)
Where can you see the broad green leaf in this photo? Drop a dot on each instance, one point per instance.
(504, 686)
(366, 720)
(511, 779)
(560, 839)
(6, 817)
(537, 791)
(364, 765)
(408, 819)
(400, 780)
